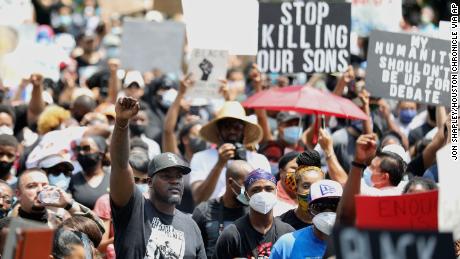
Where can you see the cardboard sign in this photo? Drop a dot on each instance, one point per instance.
(412, 211)
(150, 45)
(304, 37)
(168, 7)
(222, 25)
(377, 244)
(449, 193)
(368, 15)
(207, 68)
(408, 67)
(123, 7)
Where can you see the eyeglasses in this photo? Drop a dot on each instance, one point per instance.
(83, 148)
(138, 180)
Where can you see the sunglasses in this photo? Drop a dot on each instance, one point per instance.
(317, 208)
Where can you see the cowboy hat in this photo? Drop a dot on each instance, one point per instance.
(234, 110)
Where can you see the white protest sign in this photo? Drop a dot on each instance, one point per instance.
(15, 12)
(368, 15)
(207, 68)
(444, 30)
(151, 45)
(449, 193)
(222, 24)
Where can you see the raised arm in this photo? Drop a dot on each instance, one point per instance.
(114, 82)
(36, 104)
(262, 118)
(169, 141)
(121, 177)
(335, 170)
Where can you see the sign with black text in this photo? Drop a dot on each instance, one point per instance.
(304, 37)
(150, 45)
(350, 242)
(408, 67)
(207, 68)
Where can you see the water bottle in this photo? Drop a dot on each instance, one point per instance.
(49, 196)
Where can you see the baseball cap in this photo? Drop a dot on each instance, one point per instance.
(286, 116)
(397, 150)
(325, 189)
(165, 161)
(53, 160)
(133, 76)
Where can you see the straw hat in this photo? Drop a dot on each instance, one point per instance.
(252, 132)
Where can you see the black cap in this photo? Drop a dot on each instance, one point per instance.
(286, 116)
(167, 160)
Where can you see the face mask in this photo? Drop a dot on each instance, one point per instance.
(65, 20)
(60, 181)
(406, 115)
(292, 134)
(197, 144)
(168, 98)
(2, 96)
(88, 161)
(6, 130)
(241, 197)
(112, 52)
(144, 188)
(5, 168)
(303, 200)
(367, 174)
(263, 202)
(324, 222)
(137, 129)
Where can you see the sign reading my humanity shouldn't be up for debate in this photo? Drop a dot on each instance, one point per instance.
(408, 67)
(312, 36)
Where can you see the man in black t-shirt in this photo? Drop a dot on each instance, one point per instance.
(254, 234)
(149, 228)
(215, 215)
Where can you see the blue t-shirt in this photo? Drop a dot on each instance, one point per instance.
(299, 244)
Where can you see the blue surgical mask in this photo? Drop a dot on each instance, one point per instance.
(144, 188)
(367, 175)
(274, 168)
(241, 197)
(60, 181)
(406, 115)
(292, 134)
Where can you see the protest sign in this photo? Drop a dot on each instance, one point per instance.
(168, 7)
(444, 30)
(16, 12)
(222, 24)
(408, 67)
(368, 15)
(412, 211)
(350, 242)
(207, 68)
(149, 45)
(449, 193)
(304, 37)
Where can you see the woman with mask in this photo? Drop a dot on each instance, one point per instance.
(254, 234)
(58, 169)
(93, 181)
(303, 178)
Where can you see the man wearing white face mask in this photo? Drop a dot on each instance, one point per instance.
(254, 234)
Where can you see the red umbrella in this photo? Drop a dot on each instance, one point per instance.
(307, 100)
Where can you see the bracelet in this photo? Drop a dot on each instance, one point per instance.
(358, 165)
(69, 205)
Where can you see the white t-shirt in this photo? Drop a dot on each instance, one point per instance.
(154, 147)
(203, 162)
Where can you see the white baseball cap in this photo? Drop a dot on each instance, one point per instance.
(397, 150)
(133, 76)
(325, 189)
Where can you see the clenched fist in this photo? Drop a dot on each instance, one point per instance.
(36, 80)
(126, 108)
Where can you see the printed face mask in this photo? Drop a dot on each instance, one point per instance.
(303, 200)
(263, 202)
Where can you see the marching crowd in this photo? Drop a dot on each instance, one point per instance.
(122, 165)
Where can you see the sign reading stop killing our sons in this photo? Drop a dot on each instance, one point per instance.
(408, 67)
(311, 36)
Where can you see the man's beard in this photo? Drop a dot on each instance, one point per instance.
(173, 200)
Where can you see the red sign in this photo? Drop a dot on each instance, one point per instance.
(406, 212)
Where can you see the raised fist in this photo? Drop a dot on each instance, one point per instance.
(126, 108)
(36, 80)
(206, 67)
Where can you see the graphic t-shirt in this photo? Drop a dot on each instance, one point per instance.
(299, 244)
(212, 218)
(242, 240)
(141, 231)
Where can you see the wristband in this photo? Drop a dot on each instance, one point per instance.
(69, 205)
(358, 165)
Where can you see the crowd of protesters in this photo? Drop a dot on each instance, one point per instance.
(121, 164)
